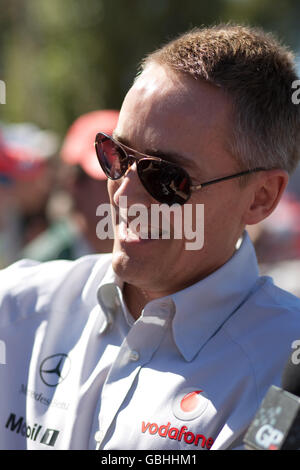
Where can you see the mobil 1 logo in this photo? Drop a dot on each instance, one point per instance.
(35, 432)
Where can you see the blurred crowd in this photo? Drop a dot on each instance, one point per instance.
(50, 189)
(277, 240)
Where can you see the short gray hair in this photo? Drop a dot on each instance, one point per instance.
(257, 72)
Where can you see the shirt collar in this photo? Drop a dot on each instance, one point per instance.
(203, 308)
(110, 298)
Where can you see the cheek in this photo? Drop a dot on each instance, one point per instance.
(220, 208)
(223, 219)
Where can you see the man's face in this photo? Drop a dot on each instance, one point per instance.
(188, 121)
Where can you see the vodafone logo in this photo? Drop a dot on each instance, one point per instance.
(189, 404)
(176, 434)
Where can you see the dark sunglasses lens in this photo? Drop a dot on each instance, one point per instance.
(112, 157)
(167, 183)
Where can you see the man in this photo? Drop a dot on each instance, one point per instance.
(158, 346)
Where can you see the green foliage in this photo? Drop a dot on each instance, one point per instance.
(62, 58)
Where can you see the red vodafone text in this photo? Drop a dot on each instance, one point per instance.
(177, 434)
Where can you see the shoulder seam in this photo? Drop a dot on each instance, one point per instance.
(248, 359)
(274, 299)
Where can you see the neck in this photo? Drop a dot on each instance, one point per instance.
(136, 298)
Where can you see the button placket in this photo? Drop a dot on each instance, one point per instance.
(134, 356)
(136, 350)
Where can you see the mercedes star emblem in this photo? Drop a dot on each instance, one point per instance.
(54, 369)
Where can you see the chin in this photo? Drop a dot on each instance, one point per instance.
(135, 267)
(127, 267)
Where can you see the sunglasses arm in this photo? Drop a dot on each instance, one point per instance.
(218, 180)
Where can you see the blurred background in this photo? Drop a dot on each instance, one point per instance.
(66, 66)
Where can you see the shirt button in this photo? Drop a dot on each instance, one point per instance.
(98, 436)
(134, 356)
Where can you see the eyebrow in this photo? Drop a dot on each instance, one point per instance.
(169, 156)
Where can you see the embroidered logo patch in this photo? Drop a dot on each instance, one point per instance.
(189, 404)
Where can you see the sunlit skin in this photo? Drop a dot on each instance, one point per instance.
(167, 113)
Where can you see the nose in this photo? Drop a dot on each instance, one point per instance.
(131, 186)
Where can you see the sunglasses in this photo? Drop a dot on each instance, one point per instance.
(167, 182)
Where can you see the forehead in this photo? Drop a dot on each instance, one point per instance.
(172, 112)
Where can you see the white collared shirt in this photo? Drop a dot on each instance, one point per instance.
(189, 374)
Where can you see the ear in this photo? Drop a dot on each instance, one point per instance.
(266, 191)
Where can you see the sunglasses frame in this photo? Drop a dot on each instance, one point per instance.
(142, 156)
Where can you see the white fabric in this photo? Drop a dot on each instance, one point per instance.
(189, 374)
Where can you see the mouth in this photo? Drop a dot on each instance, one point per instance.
(130, 233)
